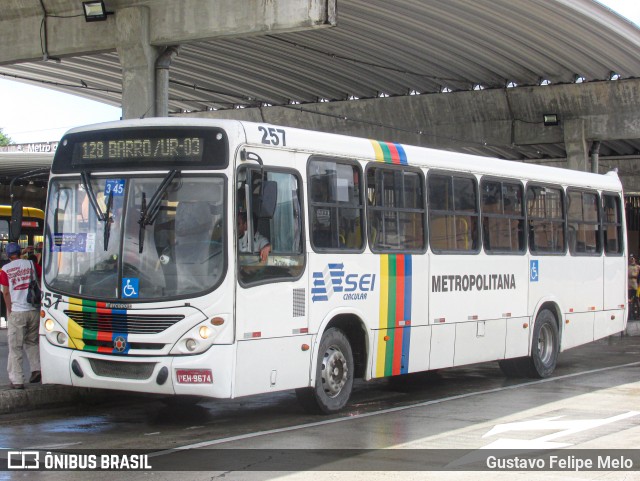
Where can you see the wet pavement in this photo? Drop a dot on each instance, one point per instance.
(589, 403)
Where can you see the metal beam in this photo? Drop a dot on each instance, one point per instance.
(501, 117)
(171, 23)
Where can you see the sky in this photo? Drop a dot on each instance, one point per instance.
(31, 114)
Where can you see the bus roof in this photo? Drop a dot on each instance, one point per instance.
(5, 211)
(323, 143)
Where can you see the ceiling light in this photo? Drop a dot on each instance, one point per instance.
(550, 119)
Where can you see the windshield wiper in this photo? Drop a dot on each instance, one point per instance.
(108, 221)
(148, 213)
(142, 222)
(86, 183)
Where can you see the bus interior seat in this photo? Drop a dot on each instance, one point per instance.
(463, 234)
(442, 233)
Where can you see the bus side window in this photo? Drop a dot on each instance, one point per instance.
(612, 224)
(453, 213)
(545, 211)
(583, 222)
(335, 205)
(502, 216)
(395, 208)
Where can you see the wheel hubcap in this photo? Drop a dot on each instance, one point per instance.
(334, 371)
(545, 344)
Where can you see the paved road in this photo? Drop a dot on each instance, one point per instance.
(591, 402)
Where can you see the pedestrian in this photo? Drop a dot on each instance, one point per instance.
(633, 273)
(39, 246)
(27, 252)
(22, 318)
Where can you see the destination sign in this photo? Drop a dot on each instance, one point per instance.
(146, 148)
(141, 148)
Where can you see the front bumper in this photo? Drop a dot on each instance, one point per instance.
(138, 373)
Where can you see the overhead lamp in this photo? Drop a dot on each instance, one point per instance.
(95, 11)
(550, 119)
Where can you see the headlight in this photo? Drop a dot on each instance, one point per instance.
(204, 332)
(49, 325)
(202, 336)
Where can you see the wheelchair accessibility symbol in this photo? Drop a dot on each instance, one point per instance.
(130, 287)
(534, 273)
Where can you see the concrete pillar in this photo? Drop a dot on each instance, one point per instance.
(137, 59)
(576, 145)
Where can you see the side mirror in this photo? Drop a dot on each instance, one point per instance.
(15, 227)
(268, 199)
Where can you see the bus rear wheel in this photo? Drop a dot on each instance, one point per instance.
(334, 375)
(544, 346)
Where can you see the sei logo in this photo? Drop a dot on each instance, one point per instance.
(334, 279)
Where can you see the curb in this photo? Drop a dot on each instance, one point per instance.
(50, 395)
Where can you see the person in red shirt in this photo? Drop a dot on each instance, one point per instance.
(22, 318)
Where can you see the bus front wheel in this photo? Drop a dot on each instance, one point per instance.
(334, 375)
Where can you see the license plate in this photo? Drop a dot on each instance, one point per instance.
(194, 376)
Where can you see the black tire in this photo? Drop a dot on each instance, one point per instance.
(334, 375)
(545, 346)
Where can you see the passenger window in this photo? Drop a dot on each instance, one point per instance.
(395, 209)
(502, 217)
(583, 223)
(335, 205)
(545, 213)
(453, 213)
(612, 224)
(269, 248)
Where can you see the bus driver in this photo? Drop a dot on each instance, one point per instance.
(260, 243)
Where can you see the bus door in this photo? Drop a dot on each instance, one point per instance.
(271, 295)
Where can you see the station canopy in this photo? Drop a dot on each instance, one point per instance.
(377, 49)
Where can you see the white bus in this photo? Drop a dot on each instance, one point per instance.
(382, 260)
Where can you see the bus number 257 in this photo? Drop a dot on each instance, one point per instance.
(272, 136)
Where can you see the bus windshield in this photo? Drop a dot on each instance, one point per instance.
(135, 253)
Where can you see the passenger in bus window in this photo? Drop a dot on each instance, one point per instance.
(261, 244)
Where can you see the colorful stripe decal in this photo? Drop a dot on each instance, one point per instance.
(389, 153)
(78, 335)
(394, 340)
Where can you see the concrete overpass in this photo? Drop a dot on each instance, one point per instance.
(475, 76)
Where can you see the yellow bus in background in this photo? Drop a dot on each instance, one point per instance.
(32, 226)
